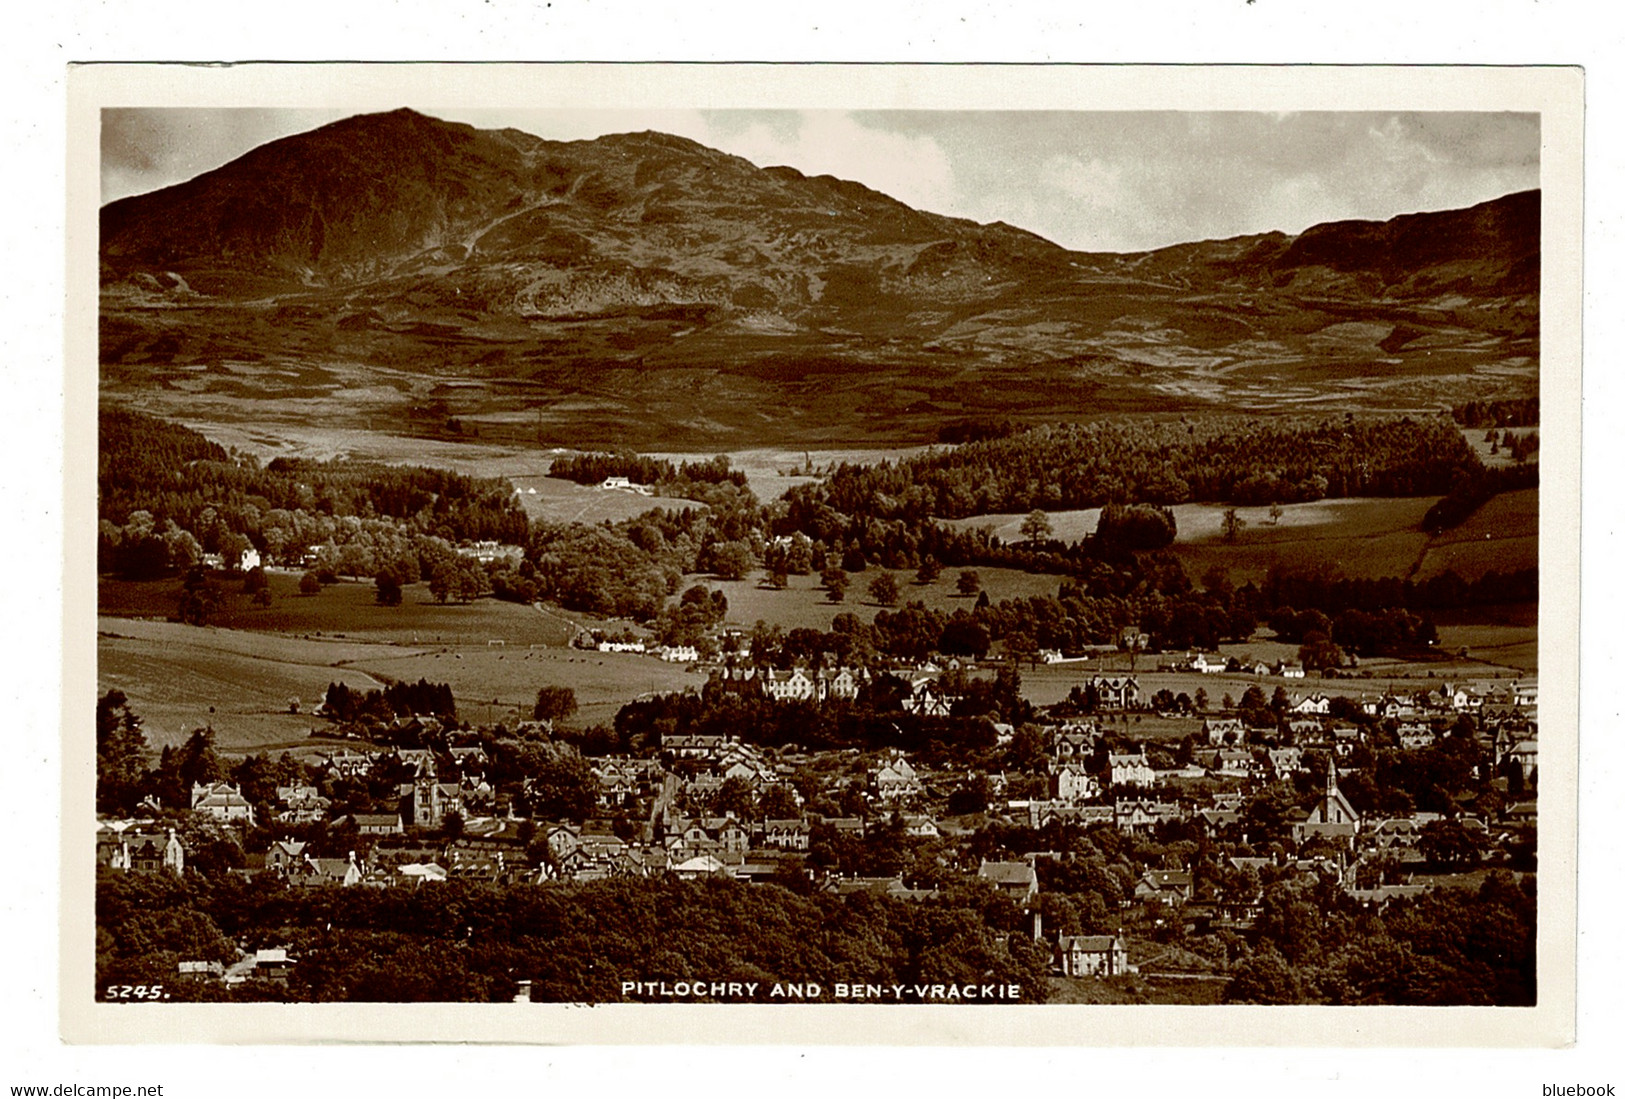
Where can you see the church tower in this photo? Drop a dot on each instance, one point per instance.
(427, 811)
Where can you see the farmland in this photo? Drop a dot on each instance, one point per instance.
(179, 677)
(350, 609)
(1360, 537)
(803, 603)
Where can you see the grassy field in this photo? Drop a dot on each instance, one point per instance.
(555, 501)
(348, 609)
(1360, 537)
(1504, 534)
(179, 677)
(804, 603)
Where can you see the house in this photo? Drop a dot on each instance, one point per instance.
(796, 685)
(311, 871)
(928, 700)
(283, 854)
(301, 805)
(679, 654)
(1415, 735)
(344, 763)
(1071, 783)
(1527, 755)
(222, 801)
(693, 745)
(432, 800)
(1206, 663)
(1229, 762)
(896, 780)
(787, 835)
(1142, 816)
(1216, 822)
(920, 826)
(1224, 730)
(841, 683)
(1092, 956)
(1285, 761)
(700, 866)
(1171, 887)
(621, 646)
(377, 824)
(1316, 703)
(1116, 692)
(1074, 741)
(1016, 880)
(1131, 770)
(1289, 669)
(1303, 728)
(142, 852)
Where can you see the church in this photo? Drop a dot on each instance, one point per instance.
(1332, 816)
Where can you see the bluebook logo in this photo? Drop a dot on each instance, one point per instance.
(1576, 1089)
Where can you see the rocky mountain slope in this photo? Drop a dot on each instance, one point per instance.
(643, 289)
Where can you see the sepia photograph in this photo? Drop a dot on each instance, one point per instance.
(1068, 545)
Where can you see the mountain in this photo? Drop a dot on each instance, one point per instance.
(642, 289)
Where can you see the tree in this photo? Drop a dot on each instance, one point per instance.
(835, 583)
(778, 802)
(731, 560)
(310, 583)
(1264, 978)
(1232, 524)
(200, 597)
(1036, 527)
(389, 588)
(883, 589)
(563, 786)
(121, 750)
(1448, 842)
(554, 704)
(1318, 652)
(1200, 699)
(969, 582)
(1276, 511)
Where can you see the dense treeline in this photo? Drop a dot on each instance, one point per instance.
(168, 495)
(1218, 459)
(1507, 412)
(343, 703)
(1472, 489)
(595, 468)
(1333, 595)
(575, 941)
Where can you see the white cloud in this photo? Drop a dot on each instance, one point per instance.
(911, 168)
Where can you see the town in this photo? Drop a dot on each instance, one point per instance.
(1304, 842)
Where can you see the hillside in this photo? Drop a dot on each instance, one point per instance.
(642, 287)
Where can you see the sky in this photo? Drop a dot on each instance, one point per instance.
(1089, 180)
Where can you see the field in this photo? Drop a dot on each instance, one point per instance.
(1504, 534)
(179, 677)
(805, 604)
(1359, 537)
(349, 609)
(555, 501)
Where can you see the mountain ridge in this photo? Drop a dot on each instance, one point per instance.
(437, 251)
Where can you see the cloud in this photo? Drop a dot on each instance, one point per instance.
(911, 168)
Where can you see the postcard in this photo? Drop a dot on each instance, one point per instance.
(959, 554)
